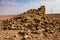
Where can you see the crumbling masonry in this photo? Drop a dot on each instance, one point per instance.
(30, 25)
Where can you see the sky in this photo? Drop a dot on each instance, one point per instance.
(12, 7)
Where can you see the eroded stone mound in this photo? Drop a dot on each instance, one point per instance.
(33, 25)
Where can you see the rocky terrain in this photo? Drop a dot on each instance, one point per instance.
(30, 25)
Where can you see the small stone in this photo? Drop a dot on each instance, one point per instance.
(4, 28)
(22, 33)
(23, 38)
(34, 32)
(36, 20)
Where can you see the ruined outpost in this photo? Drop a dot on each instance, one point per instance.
(30, 25)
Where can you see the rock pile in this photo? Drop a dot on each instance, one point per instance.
(33, 25)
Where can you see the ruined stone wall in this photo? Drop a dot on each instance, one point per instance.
(42, 10)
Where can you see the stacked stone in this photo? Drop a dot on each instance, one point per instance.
(31, 24)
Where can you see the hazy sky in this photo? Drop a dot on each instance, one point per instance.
(19, 6)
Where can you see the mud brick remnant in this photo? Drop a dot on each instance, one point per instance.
(42, 10)
(30, 25)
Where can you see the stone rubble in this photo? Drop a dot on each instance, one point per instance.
(33, 25)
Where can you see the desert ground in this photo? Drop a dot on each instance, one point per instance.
(57, 16)
(4, 17)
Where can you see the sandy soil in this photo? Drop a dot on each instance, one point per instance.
(57, 16)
